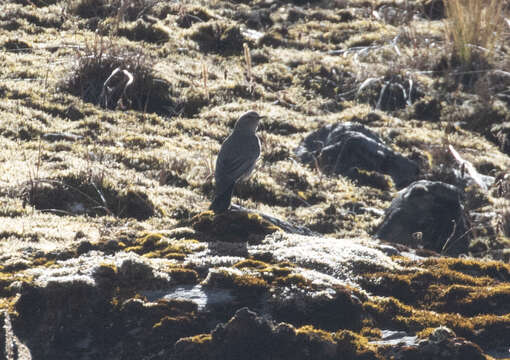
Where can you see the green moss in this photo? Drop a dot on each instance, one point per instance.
(248, 287)
(200, 339)
(233, 226)
(250, 263)
(297, 93)
(497, 270)
(311, 332)
(169, 322)
(154, 245)
(354, 346)
(150, 240)
(441, 276)
(274, 274)
(42, 261)
(292, 280)
(371, 332)
(481, 329)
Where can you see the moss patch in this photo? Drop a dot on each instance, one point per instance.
(233, 226)
(469, 296)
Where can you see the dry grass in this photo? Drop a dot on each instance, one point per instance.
(97, 78)
(473, 27)
(129, 10)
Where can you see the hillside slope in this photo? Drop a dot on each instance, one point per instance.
(111, 116)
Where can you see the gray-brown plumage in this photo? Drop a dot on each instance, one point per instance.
(236, 159)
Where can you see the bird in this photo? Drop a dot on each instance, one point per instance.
(236, 159)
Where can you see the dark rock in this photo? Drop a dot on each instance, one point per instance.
(251, 332)
(56, 318)
(427, 214)
(111, 246)
(340, 148)
(84, 247)
(250, 336)
(339, 308)
(442, 343)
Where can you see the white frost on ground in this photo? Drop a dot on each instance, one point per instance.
(326, 259)
(84, 268)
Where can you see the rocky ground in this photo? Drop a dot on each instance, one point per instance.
(376, 224)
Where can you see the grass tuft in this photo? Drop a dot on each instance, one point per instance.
(119, 78)
(473, 27)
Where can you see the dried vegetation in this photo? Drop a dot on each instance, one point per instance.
(112, 114)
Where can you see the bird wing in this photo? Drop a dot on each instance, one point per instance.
(236, 160)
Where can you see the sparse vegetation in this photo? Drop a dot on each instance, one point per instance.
(132, 81)
(123, 10)
(473, 29)
(78, 195)
(109, 132)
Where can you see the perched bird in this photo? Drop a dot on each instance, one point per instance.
(236, 160)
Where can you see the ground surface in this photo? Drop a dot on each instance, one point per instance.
(105, 194)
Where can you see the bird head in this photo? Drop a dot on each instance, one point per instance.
(248, 122)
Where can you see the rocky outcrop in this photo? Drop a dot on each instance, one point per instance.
(427, 214)
(348, 149)
(310, 297)
(442, 343)
(249, 336)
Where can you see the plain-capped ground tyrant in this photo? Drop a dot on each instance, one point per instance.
(236, 159)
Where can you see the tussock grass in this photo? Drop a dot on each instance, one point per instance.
(473, 27)
(129, 10)
(118, 78)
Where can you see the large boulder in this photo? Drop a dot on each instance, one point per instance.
(63, 318)
(427, 214)
(346, 148)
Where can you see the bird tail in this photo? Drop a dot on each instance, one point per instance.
(221, 201)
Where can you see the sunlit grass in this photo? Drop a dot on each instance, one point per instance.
(473, 26)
